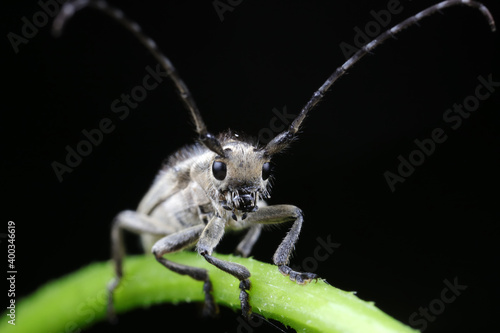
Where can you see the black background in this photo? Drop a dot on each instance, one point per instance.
(396, 248)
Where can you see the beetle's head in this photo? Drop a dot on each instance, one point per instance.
(240, 178)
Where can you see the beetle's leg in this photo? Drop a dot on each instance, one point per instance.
(208, 240)
(134, 222)
(245, 246)
(176, 242)
(280, 214)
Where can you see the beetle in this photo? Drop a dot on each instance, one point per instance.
(221, 182)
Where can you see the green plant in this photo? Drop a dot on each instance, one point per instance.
(79, 299)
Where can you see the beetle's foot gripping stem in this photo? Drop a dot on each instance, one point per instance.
(238, 271)
(210, 308)
(298, 277)
(246, 309)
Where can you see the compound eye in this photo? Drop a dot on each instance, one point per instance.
(266, 170)
(219, 170)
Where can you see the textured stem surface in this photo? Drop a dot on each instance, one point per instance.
(79, 299)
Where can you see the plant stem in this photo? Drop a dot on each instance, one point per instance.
(79, 299)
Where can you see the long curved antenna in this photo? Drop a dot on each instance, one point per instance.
(283, 139)
(71, 7)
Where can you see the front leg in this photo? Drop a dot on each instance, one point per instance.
(209, 239)
(280, 214)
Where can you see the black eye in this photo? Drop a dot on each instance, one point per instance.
(219, 170)
(266, 170)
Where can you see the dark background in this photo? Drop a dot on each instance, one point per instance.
(396, 248)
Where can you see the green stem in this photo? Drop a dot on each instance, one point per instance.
(79, 299)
